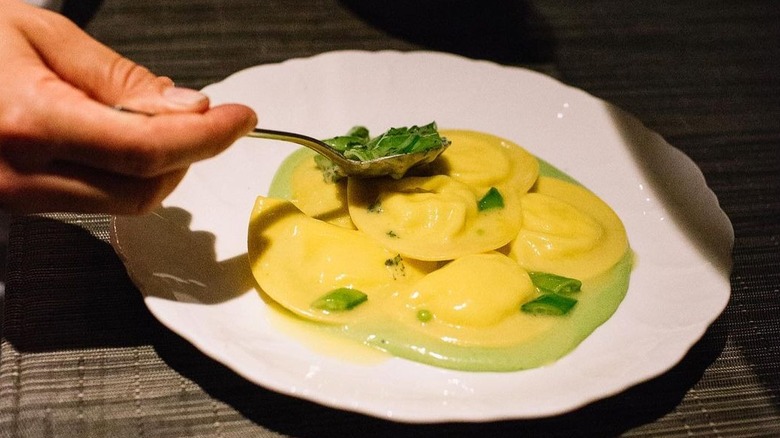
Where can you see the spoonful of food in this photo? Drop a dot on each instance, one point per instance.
(356, 154)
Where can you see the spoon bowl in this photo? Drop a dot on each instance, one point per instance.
(395, 166)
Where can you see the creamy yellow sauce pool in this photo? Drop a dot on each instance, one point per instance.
(444, 279)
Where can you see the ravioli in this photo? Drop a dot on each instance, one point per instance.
(567, 230)
(483, 160)
(432, 218)
(441, 278)
(435, 216)
(449, 293)
(297, 259)
(301, 182)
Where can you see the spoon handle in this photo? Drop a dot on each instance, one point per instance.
(303, 140)
(318, 146)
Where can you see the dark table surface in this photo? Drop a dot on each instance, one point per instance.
(82, 356)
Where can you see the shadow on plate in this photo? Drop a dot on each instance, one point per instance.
(497, 30)
(682, 188)
(168, 260)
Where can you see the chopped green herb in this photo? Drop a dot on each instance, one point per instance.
(340, 299)
(395, 261)
(424, 315)
(330, 172)
(358, 145)
(555, 283)
(357, 137)
(549, 304)
(396, 267)
(392, 234)
(492, 199)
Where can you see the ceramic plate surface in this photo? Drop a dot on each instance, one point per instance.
(189, 259)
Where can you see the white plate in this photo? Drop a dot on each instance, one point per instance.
(189, 260)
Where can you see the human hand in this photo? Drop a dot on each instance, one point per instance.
(62, 145)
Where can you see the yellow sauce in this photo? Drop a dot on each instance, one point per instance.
(420, 244)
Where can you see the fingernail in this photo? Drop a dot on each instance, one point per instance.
(183, 96)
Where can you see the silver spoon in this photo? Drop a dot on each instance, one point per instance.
(395, 166)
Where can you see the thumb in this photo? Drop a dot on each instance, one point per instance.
(104, 74)
(153, 98)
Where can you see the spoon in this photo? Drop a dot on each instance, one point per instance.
(395, 166)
